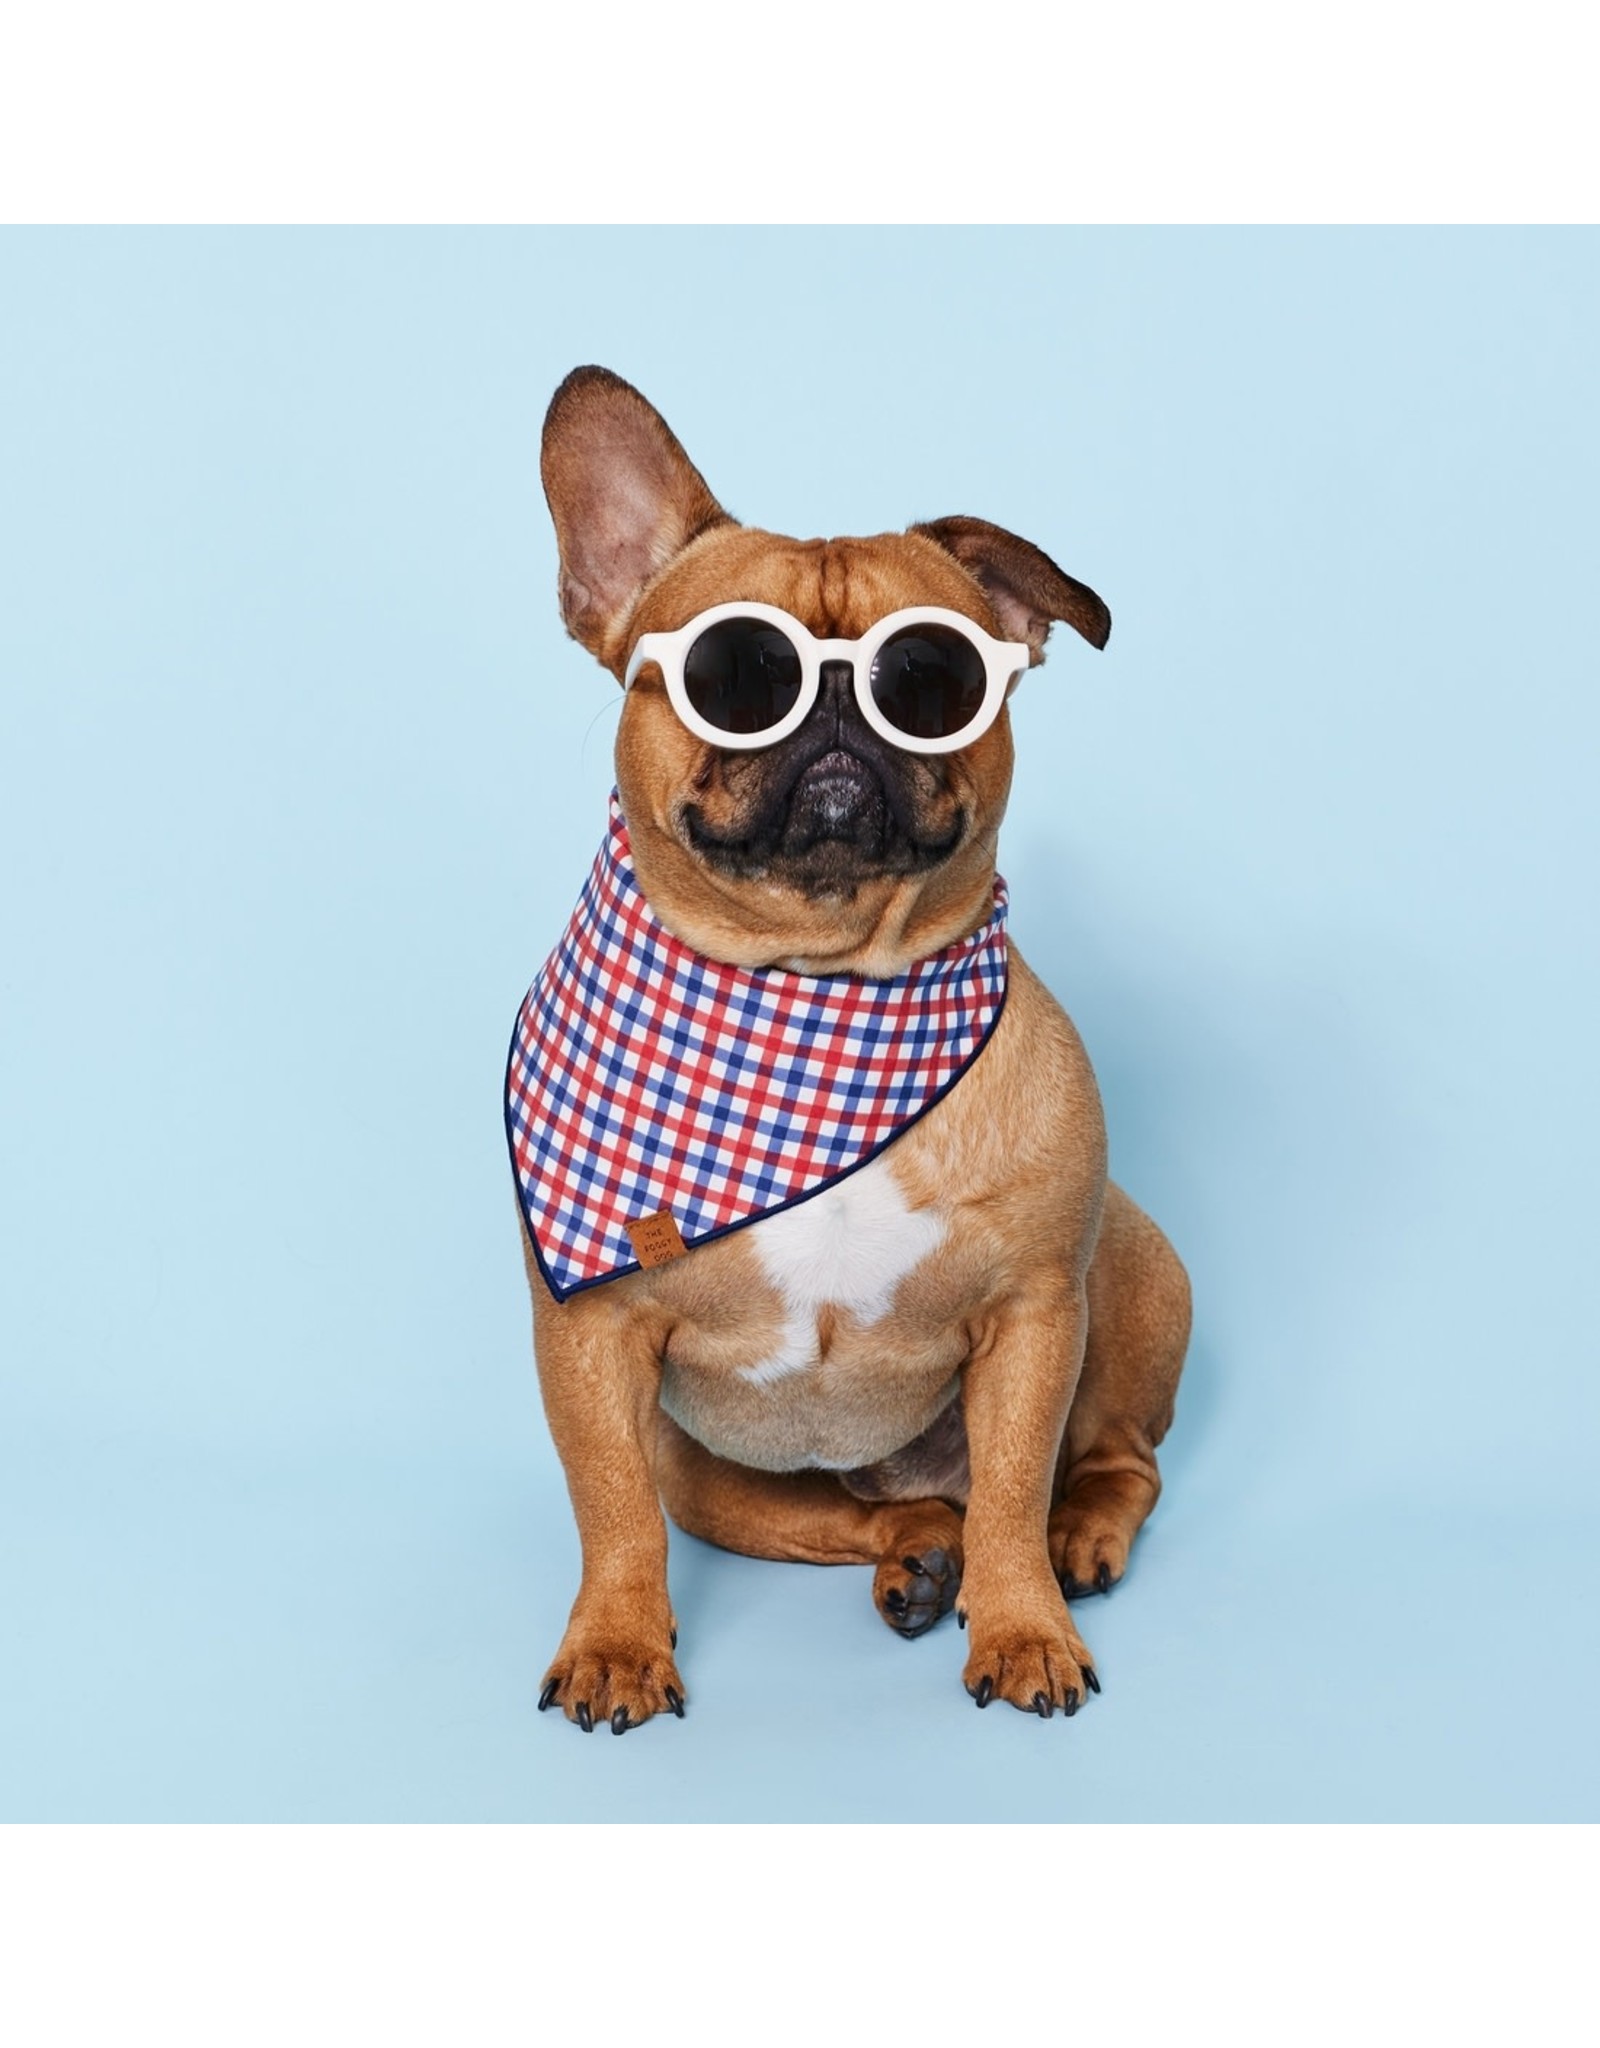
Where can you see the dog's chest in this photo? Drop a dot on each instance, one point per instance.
(842, 1253)
(819, 1354)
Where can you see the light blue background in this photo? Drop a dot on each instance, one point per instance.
(299, 778)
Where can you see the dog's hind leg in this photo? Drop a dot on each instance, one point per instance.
(1106, 1480)
(809, 1518)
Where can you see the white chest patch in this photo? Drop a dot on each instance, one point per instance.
(848, 1248)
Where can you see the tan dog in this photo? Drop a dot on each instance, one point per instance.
(979, 1338)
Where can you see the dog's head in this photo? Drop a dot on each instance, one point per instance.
(831, 849)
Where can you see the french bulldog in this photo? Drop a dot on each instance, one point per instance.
(953, 1361)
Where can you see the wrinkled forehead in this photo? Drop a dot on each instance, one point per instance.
(837, 588)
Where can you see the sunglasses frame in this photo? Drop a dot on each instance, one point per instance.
(1003, 662)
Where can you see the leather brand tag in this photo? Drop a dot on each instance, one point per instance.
(656, 1239)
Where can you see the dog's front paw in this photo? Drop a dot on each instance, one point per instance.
(1037, 1667)
(599, 1676)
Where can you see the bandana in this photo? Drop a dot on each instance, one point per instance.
(656, 1099)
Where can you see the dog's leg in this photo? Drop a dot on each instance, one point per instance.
(1016, 1390)
(1107, 1480)
(600, 1377)
(808, 1518)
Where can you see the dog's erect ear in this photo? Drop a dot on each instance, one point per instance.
(1021, 582)
(624, 497)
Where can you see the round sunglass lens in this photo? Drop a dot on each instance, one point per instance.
(742, 675)
(929, 682)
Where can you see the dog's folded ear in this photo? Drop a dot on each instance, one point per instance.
(1026, 589)
(624, 497)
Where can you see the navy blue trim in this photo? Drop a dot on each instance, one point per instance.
(516, 1177)
(744, 1222)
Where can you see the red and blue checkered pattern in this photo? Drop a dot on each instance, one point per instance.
(644, 1077)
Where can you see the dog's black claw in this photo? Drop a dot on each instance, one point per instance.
(675, 1701)
(961, 1617)
(1091, 1678)
(585, 1718)
(549, 1693)
(913, 1565)
(1042, 1706)
(673, 1639)
(1071, 1706)
(895, 1600)
(985, 1692)
(1102, 1578)
(620, 1724)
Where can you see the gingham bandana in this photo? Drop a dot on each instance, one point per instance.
(644, 1078)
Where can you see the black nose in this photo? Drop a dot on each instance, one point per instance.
(836, 719)
(835, 676)
(836, 700)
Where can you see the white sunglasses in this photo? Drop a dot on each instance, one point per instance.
(745, 675)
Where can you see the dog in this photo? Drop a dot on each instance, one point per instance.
(950, 1353)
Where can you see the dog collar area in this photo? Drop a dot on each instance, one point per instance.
(656, 1099)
